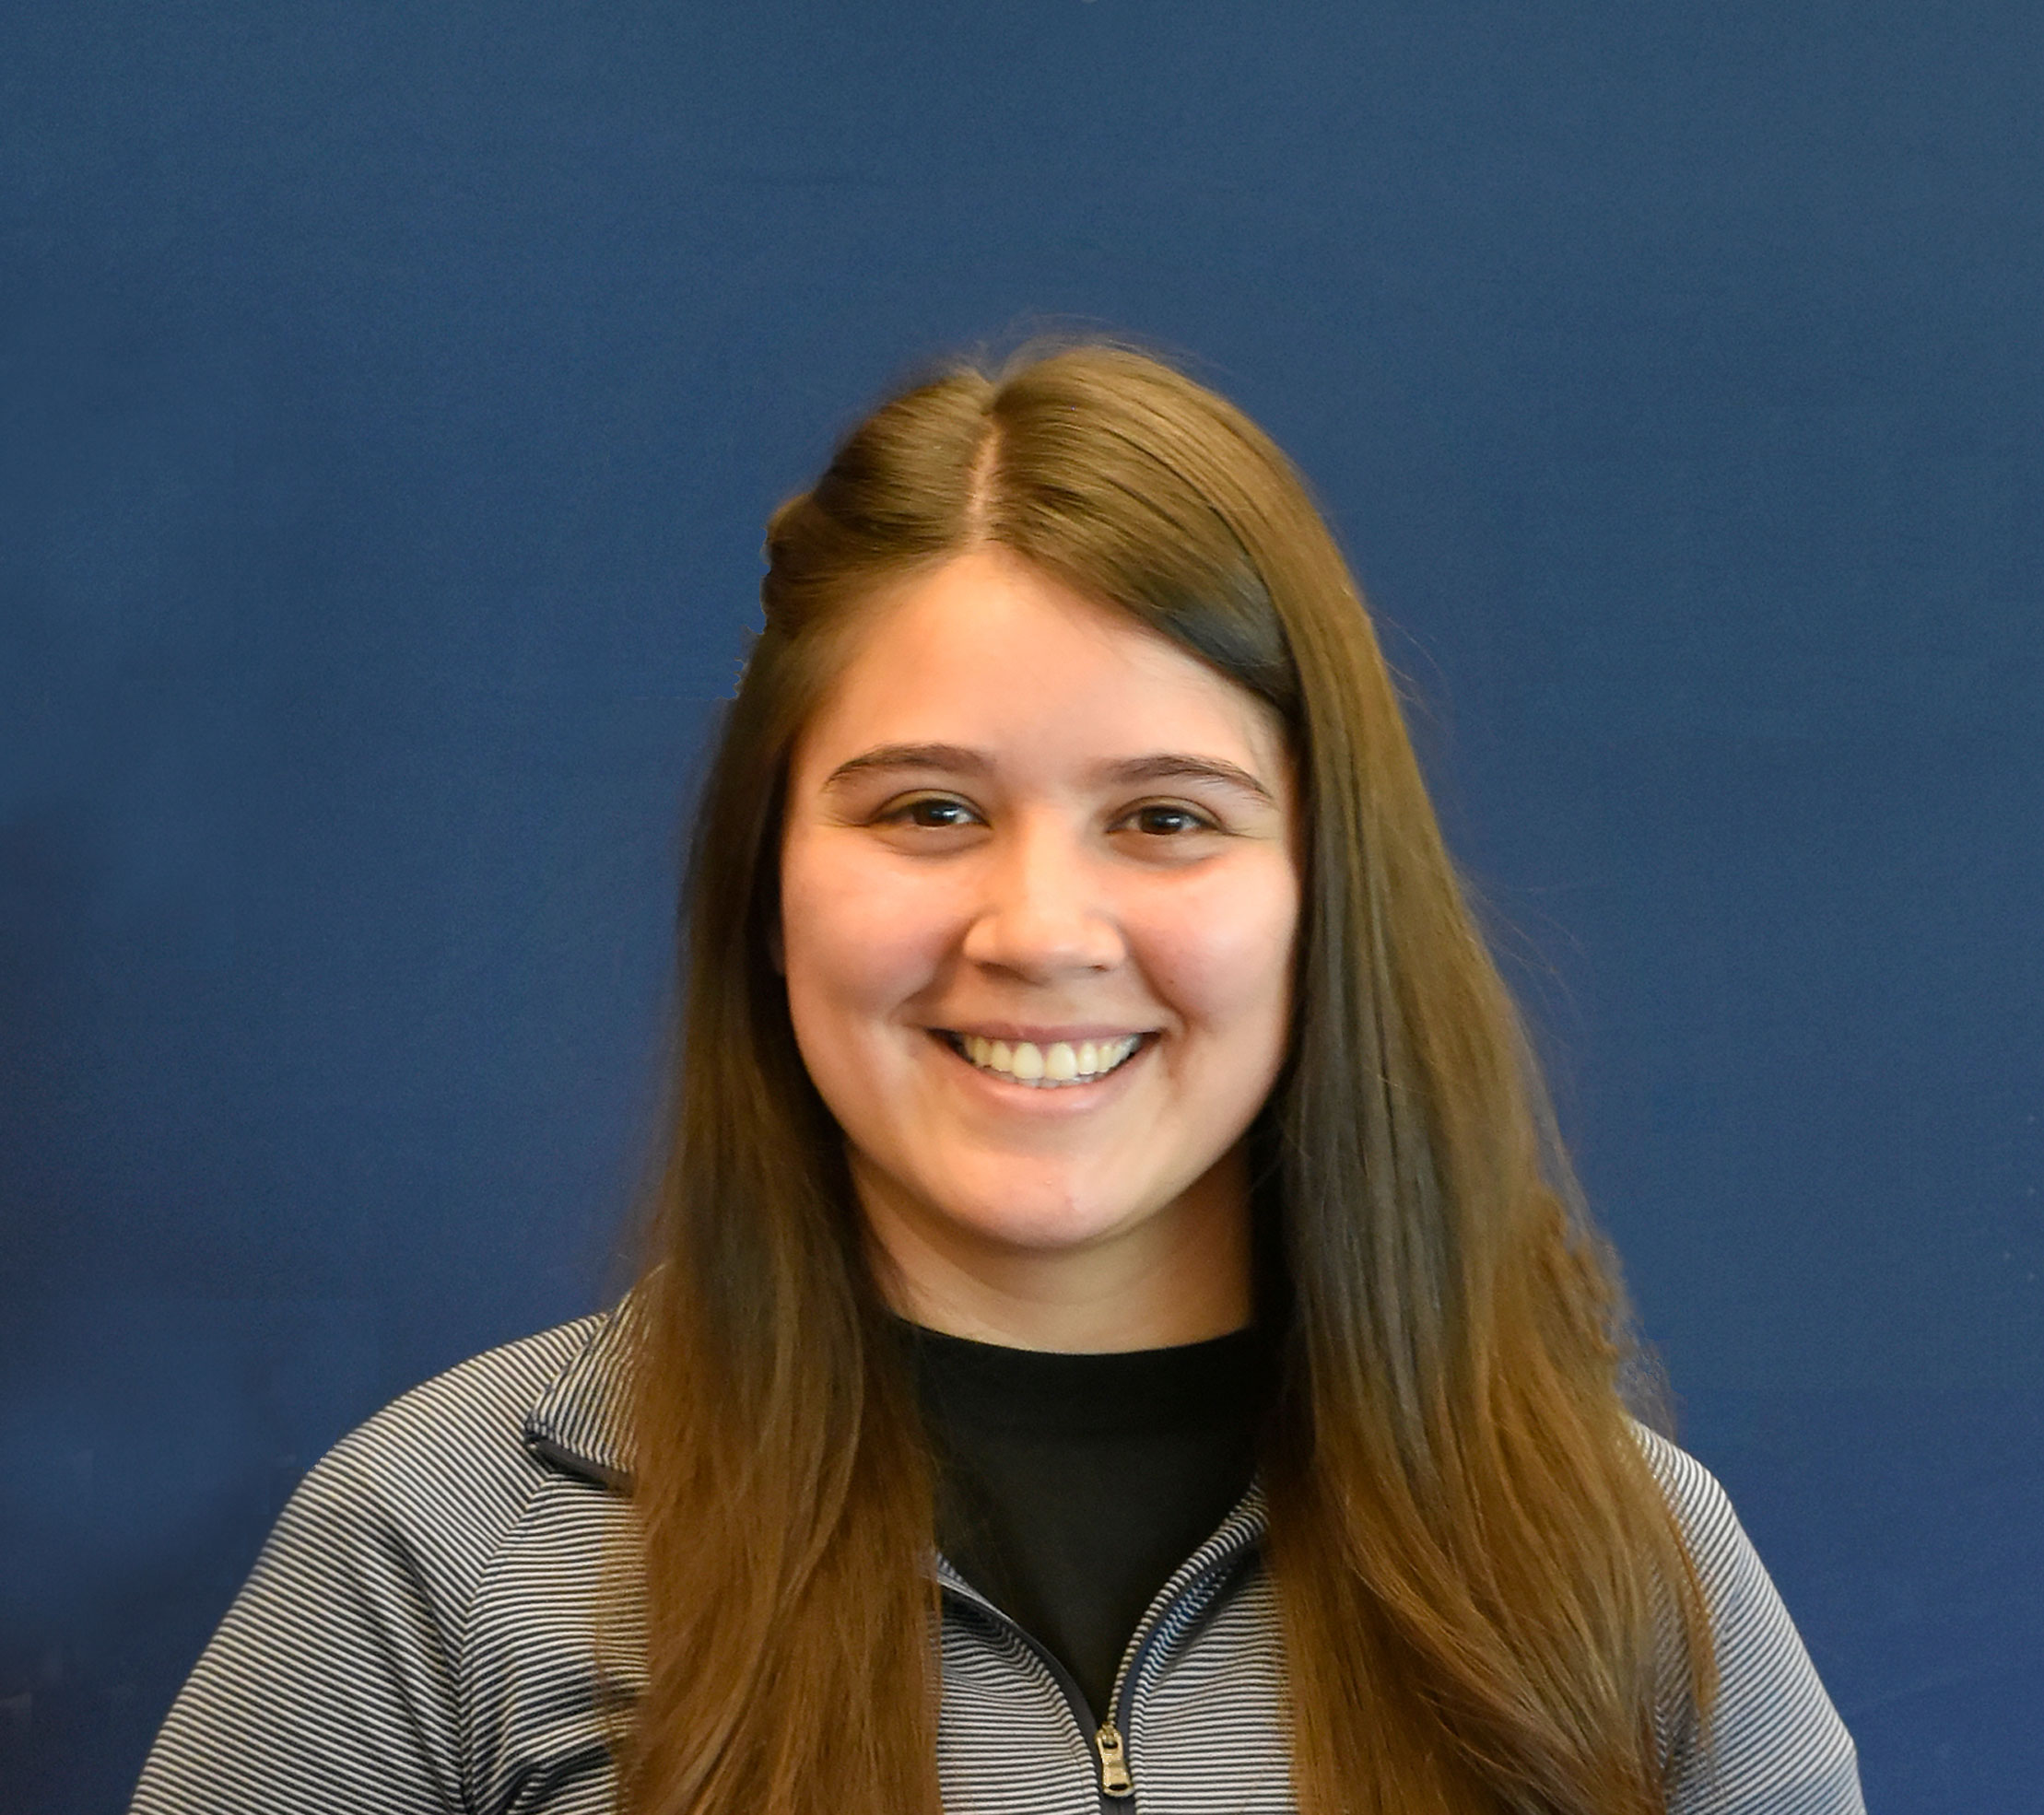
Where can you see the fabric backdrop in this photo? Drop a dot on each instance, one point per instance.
(393, 396)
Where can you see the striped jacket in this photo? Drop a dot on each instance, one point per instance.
(420, 1636)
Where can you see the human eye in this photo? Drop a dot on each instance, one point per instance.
(1167, 820)
(927, 812)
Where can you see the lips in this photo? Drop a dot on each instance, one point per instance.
(1049, 1065)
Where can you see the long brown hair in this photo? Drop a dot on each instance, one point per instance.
(1473, 1564)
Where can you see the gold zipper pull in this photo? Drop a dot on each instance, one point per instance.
(1115, 1780)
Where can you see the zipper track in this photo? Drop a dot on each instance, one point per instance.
(1080, 1711)
(1122, 1696)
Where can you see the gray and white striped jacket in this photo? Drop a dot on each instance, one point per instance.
(419, 1634)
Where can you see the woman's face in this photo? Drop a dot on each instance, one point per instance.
(1040, 894)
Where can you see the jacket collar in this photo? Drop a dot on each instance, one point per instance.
(580, 1423)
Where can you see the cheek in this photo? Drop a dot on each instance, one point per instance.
(1222, 956)
(847, 944)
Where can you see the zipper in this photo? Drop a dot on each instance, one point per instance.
(1074, 1697)
(1115, 1780)
(1116, 1776)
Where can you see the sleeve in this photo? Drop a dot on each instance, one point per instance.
(329, 1689)
(1774, 1745)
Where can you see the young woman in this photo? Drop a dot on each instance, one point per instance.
(1117, 1335)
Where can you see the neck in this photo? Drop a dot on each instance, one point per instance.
(1180, 1275)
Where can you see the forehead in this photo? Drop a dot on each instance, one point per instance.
(987, 650)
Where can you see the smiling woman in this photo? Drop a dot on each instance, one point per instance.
(1118, 1330)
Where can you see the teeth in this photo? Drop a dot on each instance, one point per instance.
(1060, 1063)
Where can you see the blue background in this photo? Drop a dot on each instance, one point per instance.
(393, 395)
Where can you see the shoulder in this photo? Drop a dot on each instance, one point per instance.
(1773, 1742)
(364, 1598)
(1718, 1543)
(469, 1424)
(434, 1481)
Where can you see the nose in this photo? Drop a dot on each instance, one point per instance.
(1045, 912)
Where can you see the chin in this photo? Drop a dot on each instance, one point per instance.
(1048, 1217)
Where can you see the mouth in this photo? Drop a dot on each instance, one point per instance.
(1053, 1065)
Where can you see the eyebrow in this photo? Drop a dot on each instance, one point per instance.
(957, 760)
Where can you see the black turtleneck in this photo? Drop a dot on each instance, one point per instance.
(1070, 1487)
